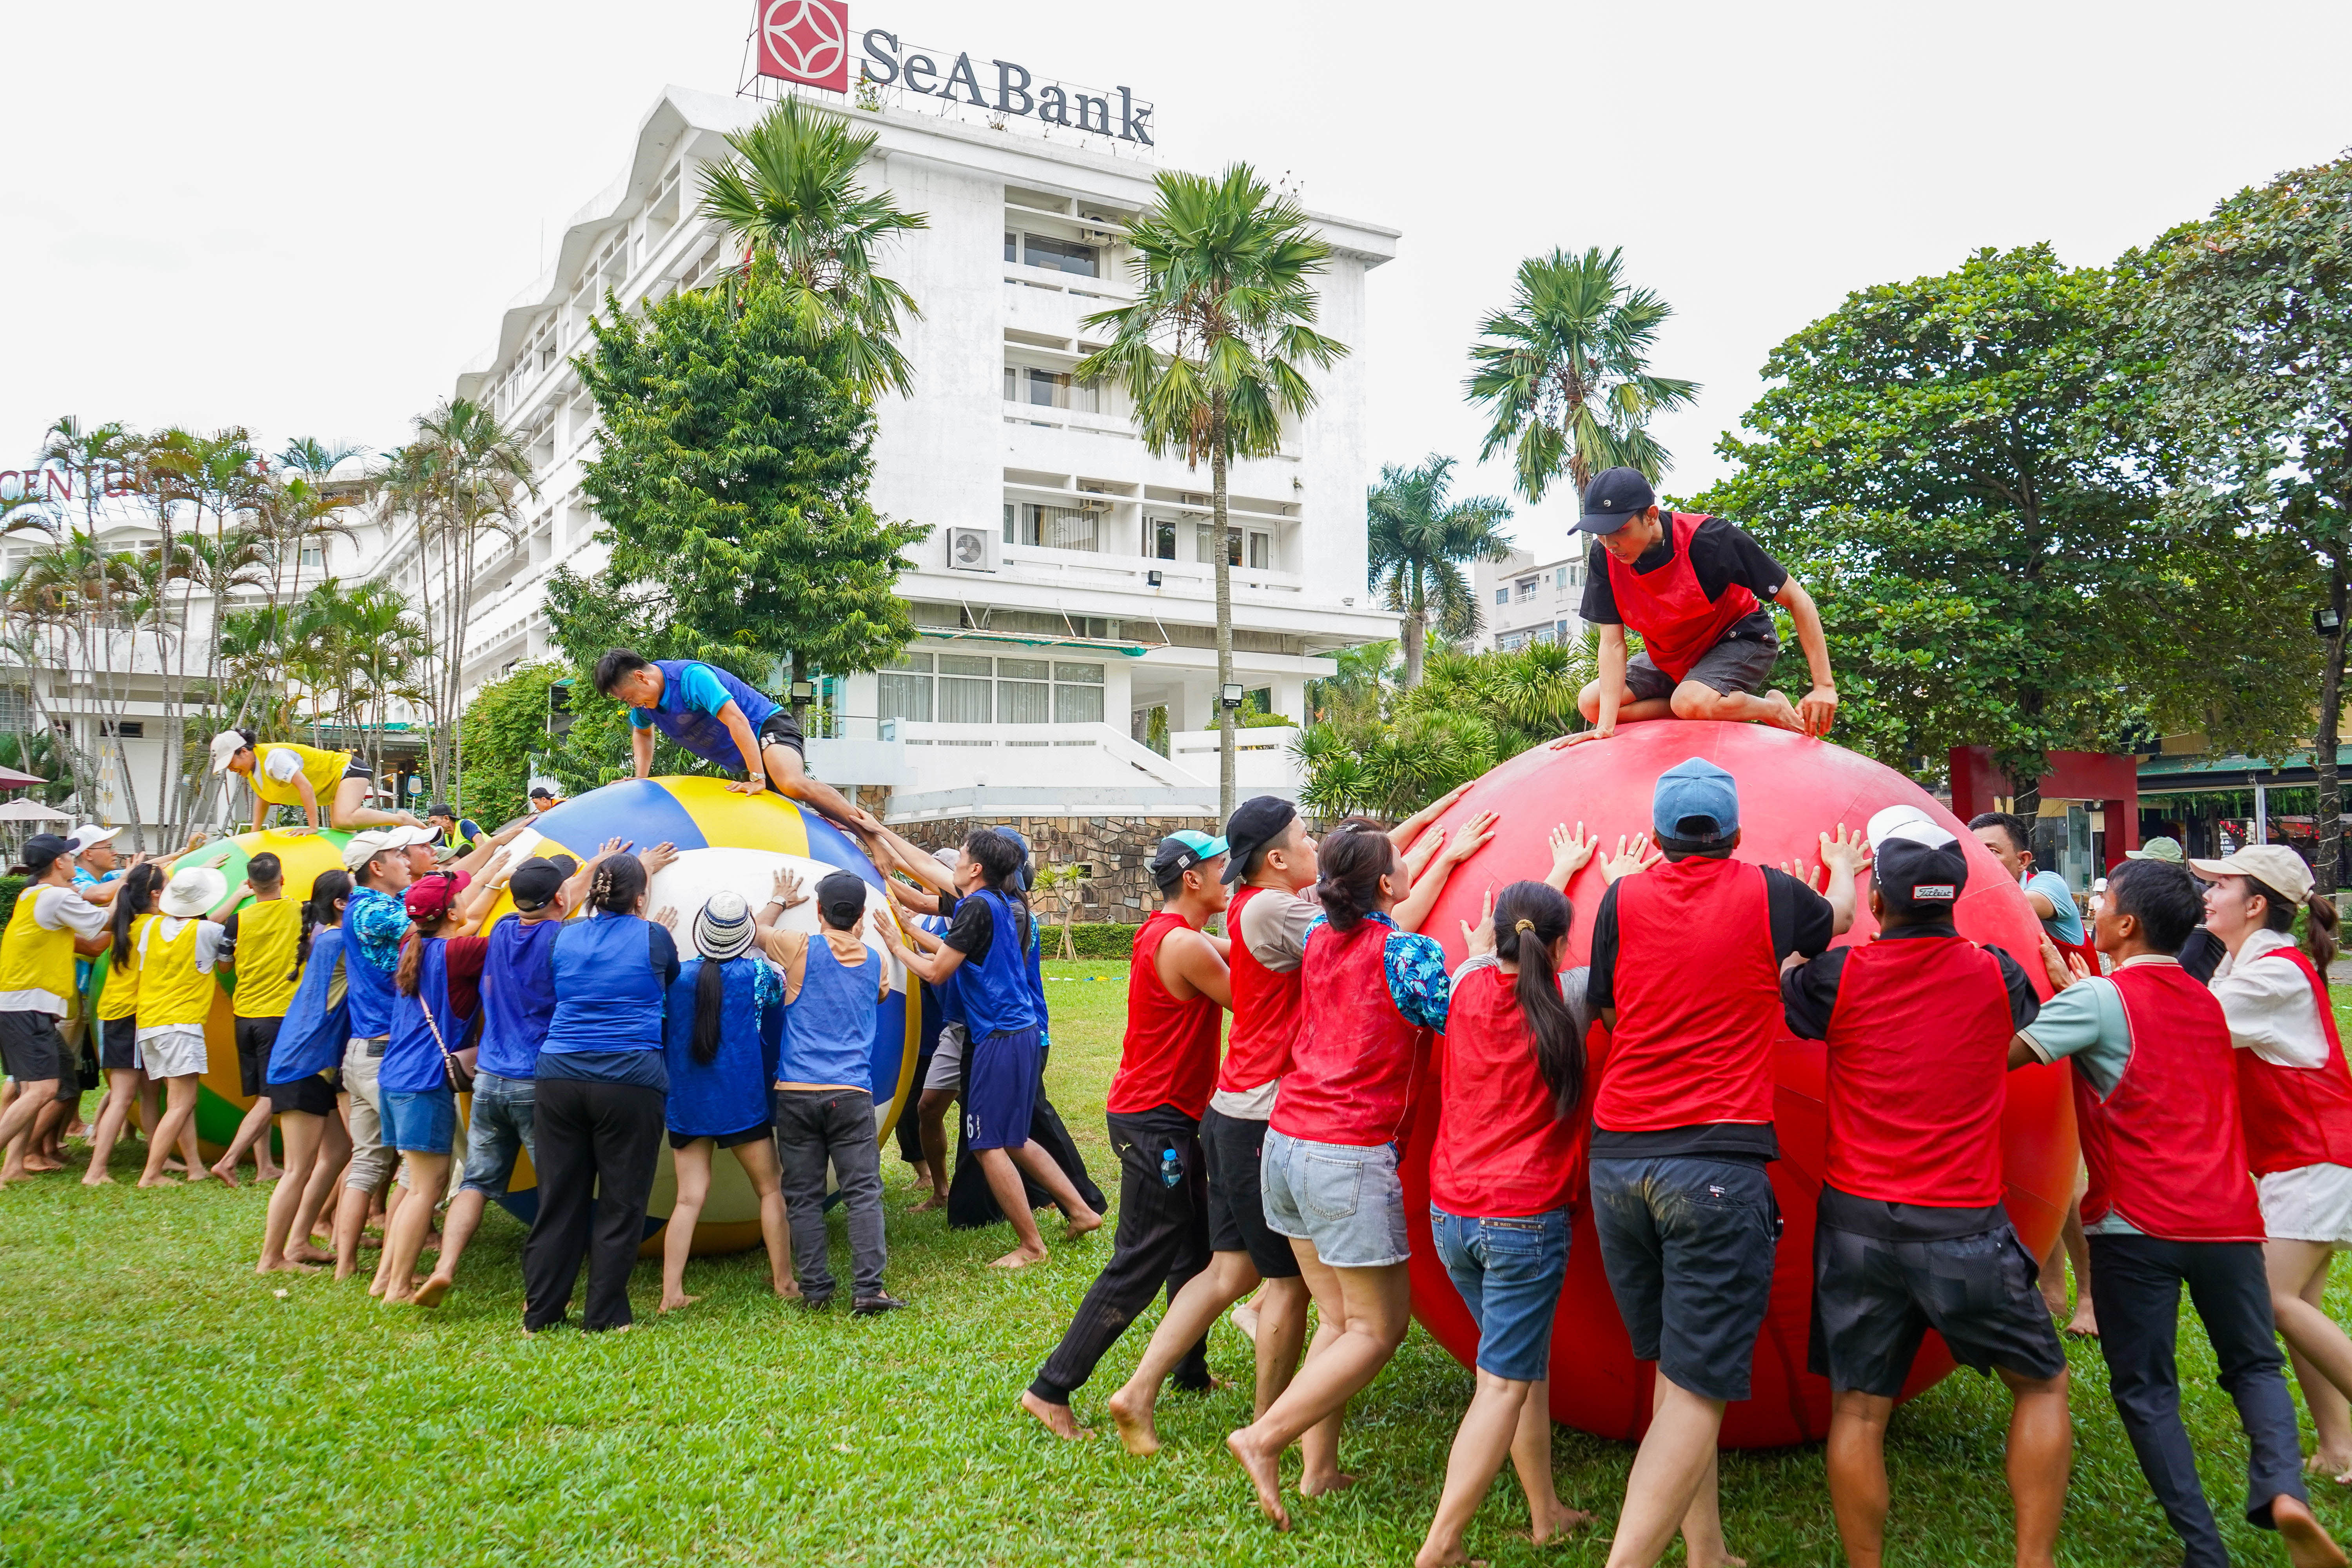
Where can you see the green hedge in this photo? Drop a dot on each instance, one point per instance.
(1098, 939)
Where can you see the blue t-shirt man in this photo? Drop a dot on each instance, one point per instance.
(2066, 923)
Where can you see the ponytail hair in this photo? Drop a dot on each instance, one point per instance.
(412, 962)
(619, 885)
(709, 999)
(1354, 858)
(1001, 864)
(2319, 924)
(324, 907)
(1529, 918)
(140, 886)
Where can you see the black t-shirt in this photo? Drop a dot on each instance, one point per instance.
(1721, 554)
(1802, 922)
(1809, 991)
(971, 927)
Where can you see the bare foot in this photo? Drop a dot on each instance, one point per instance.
(42, 1164)
(264, 1178)
(172, 1162)
(1783, 716)
(2323, 1463)
(935, 1201)
(434, 1287)
(2307, 1545)
(1079, 1227)
(1452, 1557)
(788, 1289)
(97, 1178)
(160, 1179)
(1132, 1413)
(206, 1175)
(1317, 1486)
(1265, 1474)
(304, 1253)
(285, 1266)
(675, 1302)
(2084, 1323)
(1020, 1257)
(1056, 1418)
(225, 1173)
(1724, 1560)
(1245, 1318)
(1561, 1521)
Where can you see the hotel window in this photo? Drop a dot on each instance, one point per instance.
(1056, 255)
(1501, 595)
(956, 687)
(314, 557)
(1160, 538)
(907, 689)
(1052, 527)
(1527, 587)
(1259, 547)
(1077, 693)
(964, 697)
(1050, 389)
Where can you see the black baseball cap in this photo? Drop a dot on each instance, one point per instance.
(42, 850)
(1614, 496)
(534, 883)
(1254, 826)
(541, 792)
(841, 895)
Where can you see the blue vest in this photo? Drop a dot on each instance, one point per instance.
(608, 995)
(699, 732)
(829, 1025)
(518, 995)
(314, 1035)
(369, 992)
(729, 1092)
(411, 1062)
(995, 991)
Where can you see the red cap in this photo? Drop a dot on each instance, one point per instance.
(429, 897)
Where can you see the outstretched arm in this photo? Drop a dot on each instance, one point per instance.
(1845, 855)
(1468, 839)
(641, 751)
(739, 728)
(1404, 833)
(1820, 707)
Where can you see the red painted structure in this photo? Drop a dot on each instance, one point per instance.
(2097, 778)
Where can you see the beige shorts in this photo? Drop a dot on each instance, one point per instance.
(177, 1054)
(2311, 1204)
(370, 1160)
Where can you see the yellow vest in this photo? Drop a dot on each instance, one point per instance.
(324, 769)
(266, 935)
(171, 990)
(118, 998)
(34, 958)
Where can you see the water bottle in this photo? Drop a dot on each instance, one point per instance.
(1171, 1170)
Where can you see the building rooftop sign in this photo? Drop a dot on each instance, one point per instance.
(810, 45)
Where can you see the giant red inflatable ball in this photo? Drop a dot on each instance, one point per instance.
(1792, 788)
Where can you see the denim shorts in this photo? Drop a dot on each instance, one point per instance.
(419, 1121)
(1688, 1243)
(499, 1128)
(1509, 1272)
(1346, 1200)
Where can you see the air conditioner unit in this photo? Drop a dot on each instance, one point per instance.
(1097, 235)
(1094, 503)
(971, 549)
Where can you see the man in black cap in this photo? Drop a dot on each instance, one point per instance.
(1911, 1234)
(49, 925)
(1694, 586)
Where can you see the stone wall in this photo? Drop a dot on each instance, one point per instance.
(1118, 848)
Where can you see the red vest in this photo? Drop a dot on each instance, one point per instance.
(2295, 1117)
(1351, 1072)
(1265, 1011)
(1699, 999)
(1169, 1054)
(1918, 1073)
(2166, 1150)
(1677, 620)
(1502, 1149)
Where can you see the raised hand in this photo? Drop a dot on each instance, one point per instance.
(2062, 973)
(1810, 876)
(659, 855)
(1847, 852)
(666, 917)
(1480, 938)
(1565, 741)
(1570, 852)
(1425, 850)
(787, 889)
(1471, 837)
(1818, 711)
(1634, 853)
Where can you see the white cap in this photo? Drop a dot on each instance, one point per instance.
(365, 846)
(191, 892)
(1905, 822)
(90, 834)
(2275, 866)
(226, 744)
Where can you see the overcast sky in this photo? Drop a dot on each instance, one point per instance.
(306, 217)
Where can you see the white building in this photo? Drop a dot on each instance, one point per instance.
(1065, 591)
(1522, 601)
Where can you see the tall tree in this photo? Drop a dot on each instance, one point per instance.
(1565, 370)
(730, 479)
(89, 458)
(1216, 349)
(1418, 539)
(1960, 470)
(2255, 306)
(791, 198)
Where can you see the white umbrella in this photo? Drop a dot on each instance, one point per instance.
(30, 811)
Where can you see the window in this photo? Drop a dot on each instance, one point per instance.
(973, 688)
(1052, 527)
(1501, 595)
(1050, 389)
(1011, 246)
(1257, 544)
(13, 708)
(128, 728)
(1056, 255)
(907, 689)
(1507, 641)
(1077, 693)
(1160, 538)
(314, 557)
(1527, 587)
(1022, 691)
(964, 697)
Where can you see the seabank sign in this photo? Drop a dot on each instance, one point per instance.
(808, 43)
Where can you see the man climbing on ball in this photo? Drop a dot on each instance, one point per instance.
(1695, 587)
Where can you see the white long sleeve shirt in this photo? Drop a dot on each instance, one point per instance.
(2269, 1004)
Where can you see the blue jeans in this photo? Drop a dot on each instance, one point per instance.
(499, 1128)
(424, 1121)
(1509, 1272)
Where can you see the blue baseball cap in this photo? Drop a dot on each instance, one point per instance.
(1179, 852)
(1613, 500)
(1697, 788)
(1025, 874)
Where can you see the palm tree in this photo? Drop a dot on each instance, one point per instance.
(1566, 371)
(790, 196)
(1417, 539)
(1216, 348)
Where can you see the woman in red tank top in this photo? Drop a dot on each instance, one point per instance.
(2295, 1097)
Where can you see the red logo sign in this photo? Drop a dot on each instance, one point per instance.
(806, 41)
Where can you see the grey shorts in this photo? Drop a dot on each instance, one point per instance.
(371, 1159)
(1346, 1200)
(1735, 664)
(947, 1060)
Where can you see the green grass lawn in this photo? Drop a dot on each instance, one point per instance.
(164, 1404)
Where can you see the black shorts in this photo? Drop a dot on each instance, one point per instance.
(118, 1043)
(1874, 1299)
(255, 1037)
(1231, 1150)
(777, 729)
(1688, 1241)
(31, 1050)
(725, 1140)
(312, 1095)
(356, 769)
(1735, 664)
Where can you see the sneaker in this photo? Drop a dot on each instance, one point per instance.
(875, 1306)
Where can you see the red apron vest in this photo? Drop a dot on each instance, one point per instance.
(1699, 999)
(1169, 1054)
(1667, 607)
(1918, 1073)
(1501, 1150)
(1353, 1069)
(1265, 1011)
(2295, 1117)
(2166, 1150)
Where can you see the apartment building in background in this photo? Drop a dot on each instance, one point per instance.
(1523, 601)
